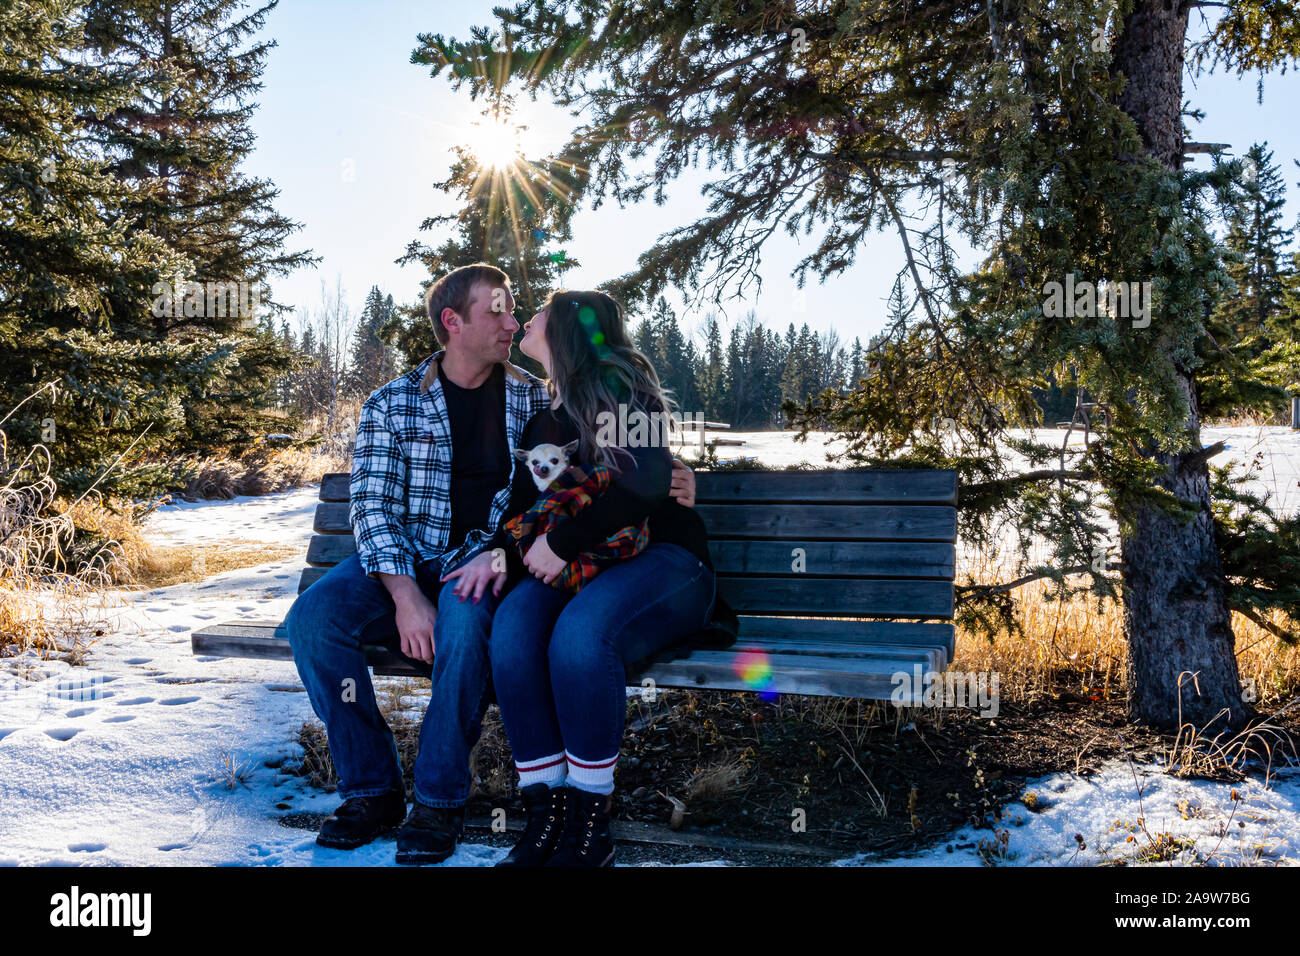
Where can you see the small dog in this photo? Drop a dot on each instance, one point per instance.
(547, 462)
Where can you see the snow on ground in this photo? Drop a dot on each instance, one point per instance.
(1120, 812)
(1279, 446)
(121, 761)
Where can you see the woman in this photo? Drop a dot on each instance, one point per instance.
(558, 659)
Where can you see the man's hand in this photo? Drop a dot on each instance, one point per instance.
(542, 562)
(415, 616)
(683, 485)
(473, 577)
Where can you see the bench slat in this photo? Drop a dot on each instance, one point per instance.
(765, 522)
(833, 522)
(832, 486)
(913, 486)
(792, 635)
(871, 559)
(852, 597)
(844, 559)
(821, 675)
(336, 486)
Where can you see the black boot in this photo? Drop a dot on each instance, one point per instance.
(360, 819)
(586, 840)
(429, 834)
(545, 807)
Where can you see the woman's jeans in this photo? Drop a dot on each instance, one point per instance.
(558, 659)
(329, 623)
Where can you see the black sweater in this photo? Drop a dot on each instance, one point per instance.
(640, 490)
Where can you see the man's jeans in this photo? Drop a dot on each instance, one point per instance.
(328, 625)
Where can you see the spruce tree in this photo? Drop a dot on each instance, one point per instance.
(179, 146)
(372, 361)
(1049, 135)
(1254, 322)
(75, 272)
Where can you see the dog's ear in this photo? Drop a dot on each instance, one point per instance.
(571, 448)
(521, 454)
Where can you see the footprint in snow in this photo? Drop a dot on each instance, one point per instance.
(6, 731)
(87, 847)
(205, 617)
(63, 733)
(178, 627)
(80, 712)
(131, 702)
(119, 719)
(138, 660)
(177, 700)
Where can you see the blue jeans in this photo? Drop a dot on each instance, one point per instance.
(559, 659)
(329, 623)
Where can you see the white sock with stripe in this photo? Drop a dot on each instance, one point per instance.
(594, 776)
(548, 770)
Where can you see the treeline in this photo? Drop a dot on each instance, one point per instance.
(743, 377)
(135, 254)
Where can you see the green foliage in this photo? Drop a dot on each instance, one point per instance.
(122, 126)
(1043, 133)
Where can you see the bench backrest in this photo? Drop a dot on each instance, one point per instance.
(848, 544)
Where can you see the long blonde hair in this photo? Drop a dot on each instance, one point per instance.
(595, 366)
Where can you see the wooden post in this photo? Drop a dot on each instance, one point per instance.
(1295, 413)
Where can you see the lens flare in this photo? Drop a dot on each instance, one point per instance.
(755, 669)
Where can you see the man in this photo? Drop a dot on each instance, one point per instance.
(430, 483)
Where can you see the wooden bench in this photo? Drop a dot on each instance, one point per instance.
(810, 561)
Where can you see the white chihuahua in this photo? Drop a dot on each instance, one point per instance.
(547, 462)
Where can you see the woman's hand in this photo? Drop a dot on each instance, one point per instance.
(474, 576)
(542, 562)
(683, 485)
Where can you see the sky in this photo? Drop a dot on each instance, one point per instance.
(354, 136)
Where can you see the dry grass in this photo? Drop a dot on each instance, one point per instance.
(259, 473)
(1078, 647)
(43, 608)
(723, 779)
(163, 565)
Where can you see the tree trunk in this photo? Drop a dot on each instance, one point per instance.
(1175, 613)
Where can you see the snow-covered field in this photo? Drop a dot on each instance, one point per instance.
(127, 760)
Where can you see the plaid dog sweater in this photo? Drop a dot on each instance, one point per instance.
(570, 492)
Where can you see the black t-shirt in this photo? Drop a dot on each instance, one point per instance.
(480, 452)
(639, 491)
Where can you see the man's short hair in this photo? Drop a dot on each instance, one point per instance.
(453, 292)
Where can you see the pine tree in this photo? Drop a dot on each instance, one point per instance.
(1051, 133)
(372, 361)
(713, 372)
(1253, 325)
(180, 146)
(74, 272)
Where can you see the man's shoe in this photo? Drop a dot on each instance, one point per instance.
(429, 834)
(360, 819)
(586, 840)
(545, 807)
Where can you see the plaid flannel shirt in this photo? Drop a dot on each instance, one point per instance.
(401, 470)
